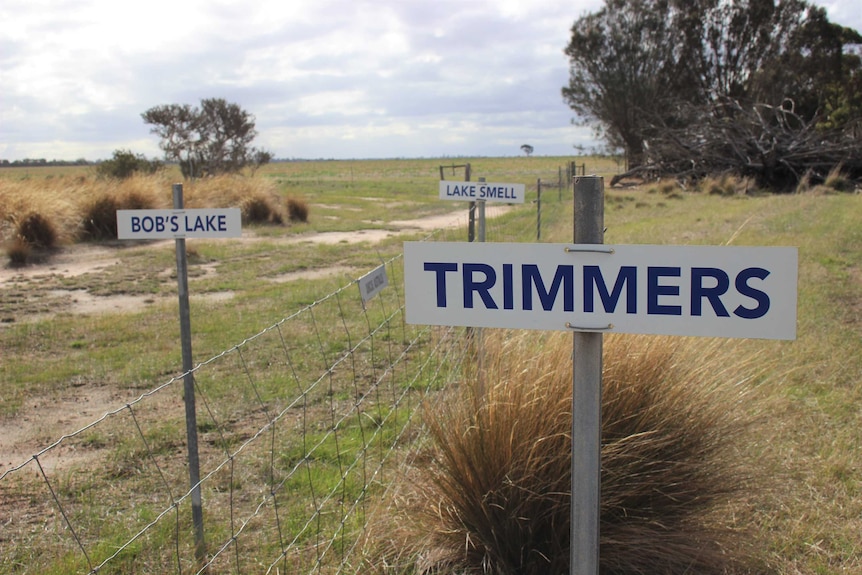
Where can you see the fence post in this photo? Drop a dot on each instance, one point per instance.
(559, 183)
(471, 218)
(586, 399)
(189, 386)
(538, 209)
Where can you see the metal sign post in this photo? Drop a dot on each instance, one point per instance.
(179, 224)
(586, 400)
(189, 385)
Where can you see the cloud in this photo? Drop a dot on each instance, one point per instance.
(324, 78)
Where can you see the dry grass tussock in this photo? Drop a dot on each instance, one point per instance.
(836, 181)
(257, 198)
(492, 494)
(70, 209)
(34, 224)
(727, 185)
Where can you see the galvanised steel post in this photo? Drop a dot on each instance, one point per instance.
(189, 386)
(586, 399)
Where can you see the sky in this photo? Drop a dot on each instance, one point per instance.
(342, 79)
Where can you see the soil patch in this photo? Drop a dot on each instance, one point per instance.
(27, 434)
(313, 274)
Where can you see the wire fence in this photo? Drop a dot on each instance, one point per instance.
(301, 427)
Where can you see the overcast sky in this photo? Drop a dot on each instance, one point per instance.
(323, 78)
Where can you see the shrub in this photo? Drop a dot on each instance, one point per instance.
(496, 498)
(124, 164)
(297, 210)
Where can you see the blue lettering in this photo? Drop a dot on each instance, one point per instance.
(482, 287)
(565, 276)
(222, 223)
(760, 297)
(136, 224)
(593, 277)
(197, 226)
(175, 226)
(501, 192)
(654, 290)
(508, 285)
(713, 294)
(440, 269)
(466, 190)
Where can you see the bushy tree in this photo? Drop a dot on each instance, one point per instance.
(124, 164)
(642, 70)
(622, 66)
(212, 139)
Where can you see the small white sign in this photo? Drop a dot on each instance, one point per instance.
(490, 192)
(177, 224)
(747, 292)
(372, 283)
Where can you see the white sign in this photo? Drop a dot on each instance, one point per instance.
(472, 191)
(372, 283)
(673, 290)
(175, 224)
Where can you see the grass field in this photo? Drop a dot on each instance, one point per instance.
(807, 429)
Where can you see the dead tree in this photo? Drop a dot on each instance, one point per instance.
(772, 144)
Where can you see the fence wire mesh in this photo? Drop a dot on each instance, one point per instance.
(300, 427)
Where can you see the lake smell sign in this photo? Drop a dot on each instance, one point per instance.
(490, 192)
(179, 224)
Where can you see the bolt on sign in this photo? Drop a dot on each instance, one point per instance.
(490, 192)
(372, 283)
(179, 224)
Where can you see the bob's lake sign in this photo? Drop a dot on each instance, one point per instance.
(490, 192)
(745, 292)
(179, 224)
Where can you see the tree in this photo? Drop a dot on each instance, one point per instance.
(527, 149)
(641, 70)
(212, 139)
(623, 65)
